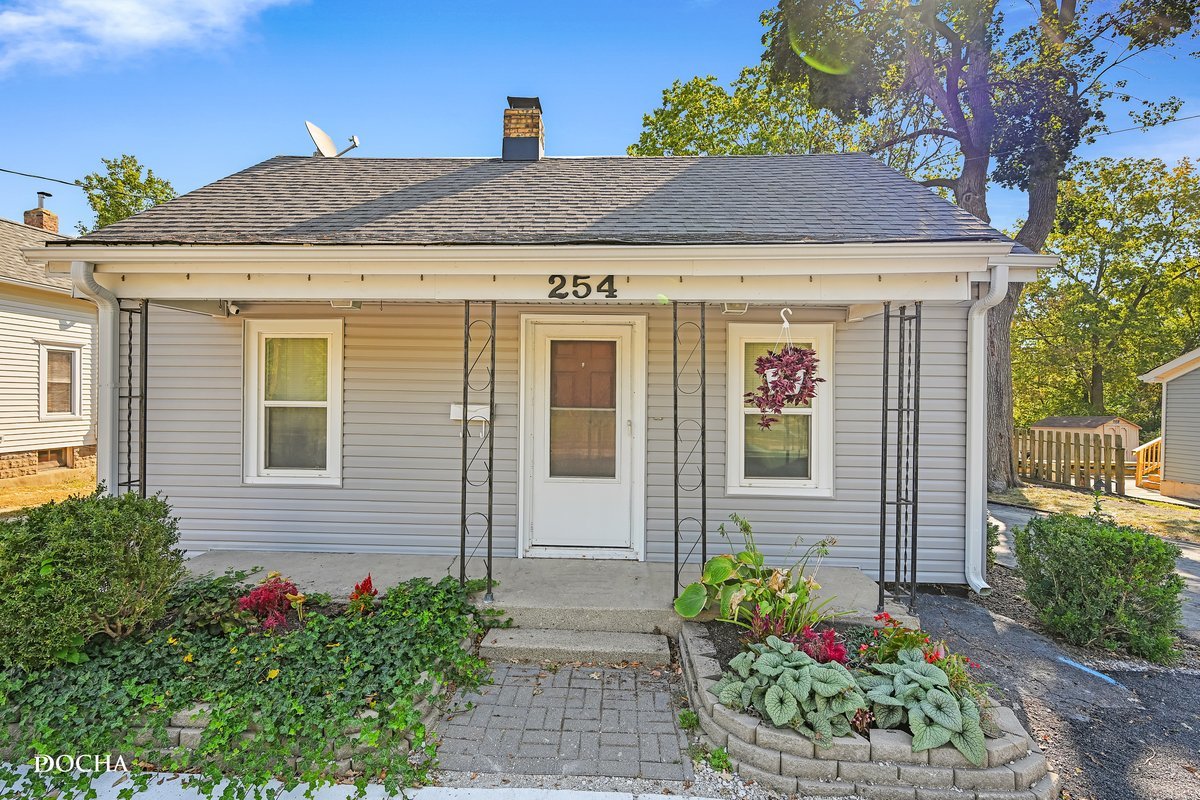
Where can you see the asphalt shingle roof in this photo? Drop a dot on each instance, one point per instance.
(604, 200)
(1076, 422)
(14, 267)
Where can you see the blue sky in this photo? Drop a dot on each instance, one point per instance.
(198, 89)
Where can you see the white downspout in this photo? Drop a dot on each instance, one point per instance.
(108, 333)
(976, 518)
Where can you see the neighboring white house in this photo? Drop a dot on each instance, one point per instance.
(47, 340)
(1180, 459)
(310, 319)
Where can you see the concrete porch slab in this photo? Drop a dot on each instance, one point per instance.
(551, 593)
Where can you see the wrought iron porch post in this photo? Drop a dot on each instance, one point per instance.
(143, 370)
(462, 542)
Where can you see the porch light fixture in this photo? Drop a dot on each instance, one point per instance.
(735, 308)
(346, 303)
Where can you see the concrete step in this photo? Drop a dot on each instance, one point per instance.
(601, 615)
(548, 644)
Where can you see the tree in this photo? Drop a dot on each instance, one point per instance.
(1025, 99)
(757, 116)
(121, 191)
(1124, 299)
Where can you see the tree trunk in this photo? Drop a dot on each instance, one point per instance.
(1002, 472)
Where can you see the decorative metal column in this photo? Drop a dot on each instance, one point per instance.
(902, 442)
(690, 440)
(478, 457)
(127, 394)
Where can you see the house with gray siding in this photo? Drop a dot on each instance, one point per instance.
(547, 358)
(1180, 441)
(47, 341)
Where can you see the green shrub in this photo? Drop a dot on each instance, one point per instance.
(282, 704)
(1099, 584)
(86, 566)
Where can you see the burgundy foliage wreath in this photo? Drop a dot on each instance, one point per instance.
(789, 377)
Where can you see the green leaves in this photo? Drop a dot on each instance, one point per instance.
(303, 694)
(691, 601)
(122, 190)
(942, 709)
(781, 706)
(790, 689)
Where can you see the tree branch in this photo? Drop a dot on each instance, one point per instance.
(945, 183)
(908, 137)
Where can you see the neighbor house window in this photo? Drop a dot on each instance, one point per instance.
(293, 417)
(60, 395)
(795, 456)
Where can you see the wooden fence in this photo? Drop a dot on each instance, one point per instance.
(1079, 460)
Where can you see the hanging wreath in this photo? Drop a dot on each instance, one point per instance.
(789, 377)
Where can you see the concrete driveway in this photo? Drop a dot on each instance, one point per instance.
(1188, 564)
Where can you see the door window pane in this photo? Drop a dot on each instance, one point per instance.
(583, 409)
(296, 438)
(60, 379)
(296, 368)
(779, 453)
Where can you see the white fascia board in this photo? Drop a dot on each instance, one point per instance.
(629, 259)
(798, 289)
(1173, 368)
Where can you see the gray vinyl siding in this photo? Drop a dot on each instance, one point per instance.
(1181, 429)
(27, 319)
(401, 452)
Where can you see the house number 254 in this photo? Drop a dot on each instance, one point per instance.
(581, 287)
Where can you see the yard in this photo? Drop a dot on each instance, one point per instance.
(1162, 519)
(14, 498)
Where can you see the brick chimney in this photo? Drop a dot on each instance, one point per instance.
(42, 217)
(523, 132)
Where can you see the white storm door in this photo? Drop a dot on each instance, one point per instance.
(584, 421)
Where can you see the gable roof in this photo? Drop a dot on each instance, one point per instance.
(1173, 368)
(13, 266)
(1080, 422)
(830, 199)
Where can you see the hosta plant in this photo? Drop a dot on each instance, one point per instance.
(787, 687)
(915, 694)
(741, 585)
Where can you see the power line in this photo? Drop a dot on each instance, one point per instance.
(40, 177)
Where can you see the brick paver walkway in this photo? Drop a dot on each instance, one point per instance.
(574, 721)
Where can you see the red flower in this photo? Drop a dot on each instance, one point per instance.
(862, 648)
(362, 599)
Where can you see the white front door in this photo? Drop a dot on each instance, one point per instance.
(583, 449)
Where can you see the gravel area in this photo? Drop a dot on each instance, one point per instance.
(1137, 739)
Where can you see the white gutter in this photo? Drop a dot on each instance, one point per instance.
(108, 332)
(976, 517)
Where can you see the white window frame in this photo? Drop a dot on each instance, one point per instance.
(820, 484)
(256, 332)
(76, 351)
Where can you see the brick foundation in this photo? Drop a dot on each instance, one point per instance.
(17, 465)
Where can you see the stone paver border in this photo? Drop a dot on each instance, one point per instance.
(882, 766)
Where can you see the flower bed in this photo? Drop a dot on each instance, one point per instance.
(243, 684)
(879, 763)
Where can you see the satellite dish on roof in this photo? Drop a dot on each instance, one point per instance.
(325, 145)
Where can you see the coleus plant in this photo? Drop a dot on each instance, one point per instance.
(789, 377)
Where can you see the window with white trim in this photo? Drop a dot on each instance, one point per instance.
(795, 456)
(59, 395)
(293, 416)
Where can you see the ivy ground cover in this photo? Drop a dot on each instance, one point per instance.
(285, 702)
